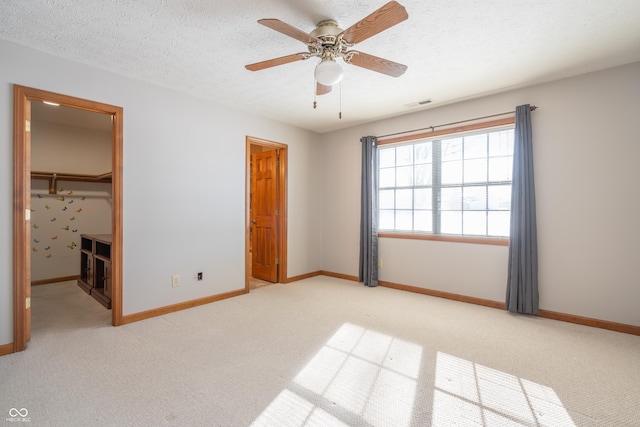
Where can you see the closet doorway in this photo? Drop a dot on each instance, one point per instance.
(24, 98)
(266, 213)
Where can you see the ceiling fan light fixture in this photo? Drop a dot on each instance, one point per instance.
(328, 72)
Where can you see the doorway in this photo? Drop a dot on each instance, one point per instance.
(23, 96)
(266, 212)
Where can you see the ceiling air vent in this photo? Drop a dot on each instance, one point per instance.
(418, 104)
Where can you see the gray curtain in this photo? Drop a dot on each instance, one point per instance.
(522, 282)
(368, 270)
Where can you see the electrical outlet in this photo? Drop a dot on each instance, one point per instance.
(200, 276)
(175, 280)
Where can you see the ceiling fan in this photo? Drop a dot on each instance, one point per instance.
(329, 42)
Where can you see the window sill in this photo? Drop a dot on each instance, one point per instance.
(446, 238)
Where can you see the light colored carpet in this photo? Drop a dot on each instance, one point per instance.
(318, 352)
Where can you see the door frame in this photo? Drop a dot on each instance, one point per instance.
(281, 204)
(22, 96)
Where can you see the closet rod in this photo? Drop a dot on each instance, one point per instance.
(53, 178)
(71, 176)
(432, 128)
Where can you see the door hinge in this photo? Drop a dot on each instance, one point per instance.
(277, 261)
(277, 211)
(27, 303)
(27, 126)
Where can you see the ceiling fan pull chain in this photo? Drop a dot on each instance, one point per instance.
(340, 113)
(315, 97)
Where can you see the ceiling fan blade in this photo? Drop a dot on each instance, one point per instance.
(387, 16)
(286, 29)
(322, 89)
(374, 63)
(275, 61)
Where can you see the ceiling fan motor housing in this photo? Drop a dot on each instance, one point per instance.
(328, 27)
(330, 45)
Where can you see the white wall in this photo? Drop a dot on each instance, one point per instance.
(69, 149)
(184, 183)
(586, 150)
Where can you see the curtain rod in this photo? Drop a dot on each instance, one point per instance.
(531, 108)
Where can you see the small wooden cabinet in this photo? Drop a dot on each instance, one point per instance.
(95, 267)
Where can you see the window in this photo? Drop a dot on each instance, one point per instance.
(455, 185)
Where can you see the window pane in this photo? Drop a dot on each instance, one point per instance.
(387, 157)
(387, 178)
(501, 143)
(451, 199)
(500, 197)
(404, 199)
(451, 222)
(451, 149)
(475, 198)
(475, 170)
(403, 220)
(499, 223)
(475, 223)
(386, 199)
(423, 174)
(469, 177)
(404, 155)
(422, 198)
(451, 172)
(500, 168)
(423, 221)
(404, 176)
(475, 146)
(385, 220)
(423, 153)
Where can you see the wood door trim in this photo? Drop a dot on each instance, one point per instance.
(22, 189)
(281, 203)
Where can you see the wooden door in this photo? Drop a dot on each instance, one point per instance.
(263, 215)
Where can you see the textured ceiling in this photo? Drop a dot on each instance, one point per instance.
(454, 49)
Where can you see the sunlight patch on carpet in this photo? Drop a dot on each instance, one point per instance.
(468, 393)
(359, 375)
